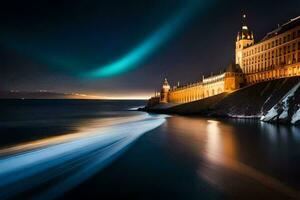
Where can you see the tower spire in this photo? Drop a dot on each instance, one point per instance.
(244, 24)
(244, 39)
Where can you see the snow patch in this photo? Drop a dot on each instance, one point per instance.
(283, 115)
(280, 110)
(296, 117)
(245, 116)
(291, 93)
(271, 115)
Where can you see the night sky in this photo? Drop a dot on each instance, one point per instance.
(122, 48)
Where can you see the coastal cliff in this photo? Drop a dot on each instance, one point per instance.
(271, 101)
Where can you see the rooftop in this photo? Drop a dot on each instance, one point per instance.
(283, 28)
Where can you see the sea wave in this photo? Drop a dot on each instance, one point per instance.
(70, 158)
(136, 108)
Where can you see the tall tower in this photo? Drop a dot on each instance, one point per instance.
(244, 39)
(164, 94)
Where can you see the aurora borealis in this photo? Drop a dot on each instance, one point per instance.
(86, 64)
(147, 47)
(122, 48)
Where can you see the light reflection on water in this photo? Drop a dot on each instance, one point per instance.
(238, 158)
(223, 153)
(84, 153)
(83, 129)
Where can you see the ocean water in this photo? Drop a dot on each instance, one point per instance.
(88, 149)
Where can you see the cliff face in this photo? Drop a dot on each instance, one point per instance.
(255, 100)
(272, 101)
(287, 110)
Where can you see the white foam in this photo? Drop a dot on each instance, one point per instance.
(90, 152)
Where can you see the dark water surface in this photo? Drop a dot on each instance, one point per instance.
(71, 149)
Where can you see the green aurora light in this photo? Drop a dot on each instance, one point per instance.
(147, 48)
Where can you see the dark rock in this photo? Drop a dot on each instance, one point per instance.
(252, 101)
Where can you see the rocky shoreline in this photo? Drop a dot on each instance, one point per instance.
(274, 101)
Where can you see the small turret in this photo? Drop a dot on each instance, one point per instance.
(164, 94)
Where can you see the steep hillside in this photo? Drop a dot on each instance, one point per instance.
(200, 107)
(254, 101)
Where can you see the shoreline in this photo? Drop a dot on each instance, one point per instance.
(274, 101)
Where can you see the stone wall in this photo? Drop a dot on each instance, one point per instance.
(208, 87)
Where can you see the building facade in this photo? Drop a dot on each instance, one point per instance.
(277, 55)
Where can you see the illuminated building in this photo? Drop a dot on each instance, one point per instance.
(276, 56)
(164, 92)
